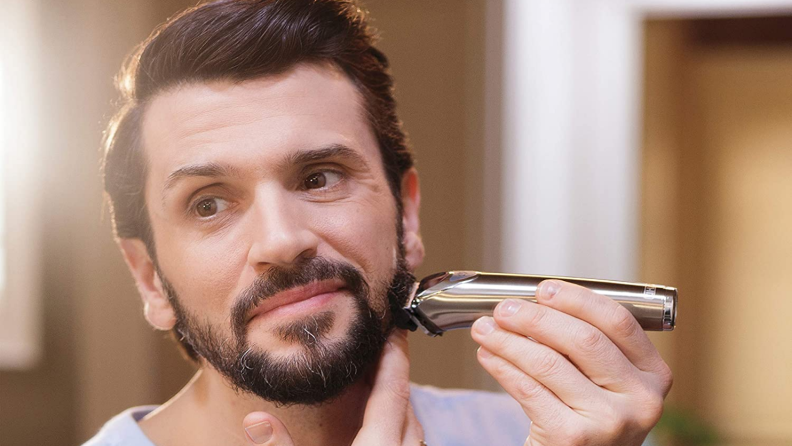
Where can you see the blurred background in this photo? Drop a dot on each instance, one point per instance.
(633, 140)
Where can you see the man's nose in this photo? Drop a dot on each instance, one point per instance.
(281, 235)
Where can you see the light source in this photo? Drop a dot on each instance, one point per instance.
(20, 185)
(3, 177)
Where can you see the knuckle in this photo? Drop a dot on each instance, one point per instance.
(590, 340)
(528, 389)
(500, 342)
(614, 427)
(577, 437)
(623, 322)
(547, 364)
(613, 421)
(502, 368)
(399, 389)
(536, 316)
(666, 378)
(652, 411)
(503, 371)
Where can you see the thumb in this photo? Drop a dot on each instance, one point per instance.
(265, 429)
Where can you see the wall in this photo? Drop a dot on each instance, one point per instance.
(100, 356)
(717, 191)
(86, 295)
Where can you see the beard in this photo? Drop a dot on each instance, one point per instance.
(323, 368)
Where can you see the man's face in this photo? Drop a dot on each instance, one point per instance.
(273, 221)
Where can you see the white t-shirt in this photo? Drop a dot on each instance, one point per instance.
(449, 418)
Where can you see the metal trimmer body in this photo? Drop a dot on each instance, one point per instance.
(455, 299)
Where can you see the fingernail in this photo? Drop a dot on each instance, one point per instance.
(485, 325)
(549, 289)
(508, 307)
(260, 433)
(484, 353)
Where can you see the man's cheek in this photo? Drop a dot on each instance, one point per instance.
(365, 241)
(209, 272)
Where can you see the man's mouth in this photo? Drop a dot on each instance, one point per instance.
(299, 300)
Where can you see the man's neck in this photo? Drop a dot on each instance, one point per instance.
(207, 411)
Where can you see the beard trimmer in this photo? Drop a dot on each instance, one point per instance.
(455, 299)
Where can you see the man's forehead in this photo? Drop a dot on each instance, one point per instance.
(307, 106)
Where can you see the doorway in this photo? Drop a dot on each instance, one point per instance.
(717, 217)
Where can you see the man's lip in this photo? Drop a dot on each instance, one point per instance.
(296, 294)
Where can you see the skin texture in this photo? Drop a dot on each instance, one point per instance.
(588, 375)
(578, 363)
(263, 215)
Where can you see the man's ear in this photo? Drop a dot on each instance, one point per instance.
(411, 204)
(156, 306)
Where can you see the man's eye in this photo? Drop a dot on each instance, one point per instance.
(208, 207)
(319, 180)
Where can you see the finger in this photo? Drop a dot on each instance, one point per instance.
(413, 431)
(387, 406)
(588, 348)
(618, 324)
(262, 428)
(541, 362)
(538, 402)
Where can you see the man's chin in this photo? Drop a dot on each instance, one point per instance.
(309, 360)
(304, 374)
(291, 350)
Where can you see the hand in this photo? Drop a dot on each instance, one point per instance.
(578, 363)
(388, 418)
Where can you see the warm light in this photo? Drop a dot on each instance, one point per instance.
(3, 177)
(20, 185)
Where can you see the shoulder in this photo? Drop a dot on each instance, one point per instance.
(468, 417)
(123, 429)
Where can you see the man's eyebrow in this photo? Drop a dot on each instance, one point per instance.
(215, 170)
(323, 154)
(211, 170)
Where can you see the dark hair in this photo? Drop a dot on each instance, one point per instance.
(240, 40)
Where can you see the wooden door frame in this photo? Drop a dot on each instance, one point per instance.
(564, 100)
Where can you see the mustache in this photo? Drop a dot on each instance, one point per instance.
(277, 279)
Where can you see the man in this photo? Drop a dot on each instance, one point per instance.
(266, 204)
